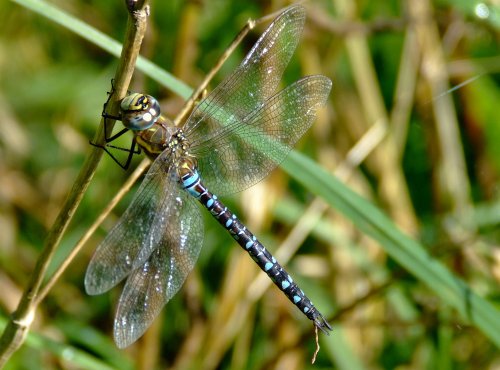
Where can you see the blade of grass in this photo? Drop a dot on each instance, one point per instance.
(105, 42)
(72, 355)
(406, 251)
(341, 354)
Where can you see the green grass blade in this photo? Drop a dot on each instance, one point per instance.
(406, 251)
(340, 352)
(71, 355)
(105, 42)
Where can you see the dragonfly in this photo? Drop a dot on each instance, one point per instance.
(232, 139)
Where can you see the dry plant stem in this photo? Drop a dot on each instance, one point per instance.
(188, 106)
(20, 322)
(472, 66)
(148, 348)
(452, 169)
(342, 28)
(384, 162)
(373, 292)
(405, 90)
(313, 360)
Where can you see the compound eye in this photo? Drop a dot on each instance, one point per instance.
(143, 102)
(139, 111)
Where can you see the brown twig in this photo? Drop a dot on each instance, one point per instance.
(316, 351)
(250, 25)
(21, 319)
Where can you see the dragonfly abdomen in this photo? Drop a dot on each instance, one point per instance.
(265, 260)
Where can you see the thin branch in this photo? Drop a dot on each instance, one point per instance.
(18, 326)
(250, 25)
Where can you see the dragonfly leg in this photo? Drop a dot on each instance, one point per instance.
(134, 148)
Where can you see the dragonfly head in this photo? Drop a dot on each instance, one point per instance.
(139, 111)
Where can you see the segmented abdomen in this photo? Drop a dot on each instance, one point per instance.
(266, 261)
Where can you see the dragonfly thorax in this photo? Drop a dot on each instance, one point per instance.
(184, 162)
(139, 111)
(179, 144)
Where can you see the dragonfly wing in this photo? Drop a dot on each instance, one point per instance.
(252, 83)
(137, 233)
(150, 287)
(244, 152)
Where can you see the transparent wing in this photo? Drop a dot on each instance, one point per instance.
(253, 82)
(151, 286)
(246, 150)
(132, 240)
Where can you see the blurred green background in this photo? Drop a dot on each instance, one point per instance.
(430, 159)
